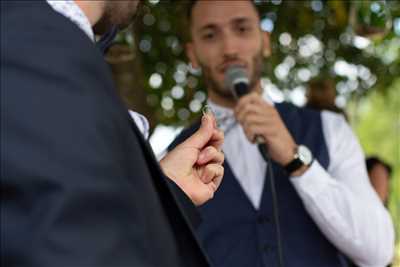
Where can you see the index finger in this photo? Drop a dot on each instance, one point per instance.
(249, 100)
(246, 100)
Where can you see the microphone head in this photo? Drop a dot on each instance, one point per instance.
(236, 80)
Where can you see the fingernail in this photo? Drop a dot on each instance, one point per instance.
(207, 110)
(204, 119)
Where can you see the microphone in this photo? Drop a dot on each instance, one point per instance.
(237, 81)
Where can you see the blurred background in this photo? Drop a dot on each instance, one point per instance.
(338, 55)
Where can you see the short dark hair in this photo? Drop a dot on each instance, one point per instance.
(374, 160)
(189, 10)
(192, 3)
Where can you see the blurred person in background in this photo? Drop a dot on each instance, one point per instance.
(321, 94)
(328, 210)
(379, 174)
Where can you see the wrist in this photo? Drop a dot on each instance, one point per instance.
(289, 156)
(166, 170)
(300, 171)
(302, 158)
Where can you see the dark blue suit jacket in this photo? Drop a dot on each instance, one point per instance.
(79, 186)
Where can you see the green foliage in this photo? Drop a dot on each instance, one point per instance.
(309, 39)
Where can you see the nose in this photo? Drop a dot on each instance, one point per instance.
(229, 46)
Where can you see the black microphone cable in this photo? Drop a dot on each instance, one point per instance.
(275, 208)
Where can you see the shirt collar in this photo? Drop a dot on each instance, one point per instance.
(220, 112)
(72, 11)
(224, 116)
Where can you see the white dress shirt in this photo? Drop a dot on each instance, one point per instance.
(340, 200)
(72, 11)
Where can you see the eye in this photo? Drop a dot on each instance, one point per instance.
(244, 29)
(208, 36)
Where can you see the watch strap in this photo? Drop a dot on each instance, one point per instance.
(294, 165)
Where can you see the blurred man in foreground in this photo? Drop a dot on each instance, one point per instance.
(79, 185)
(327, 208)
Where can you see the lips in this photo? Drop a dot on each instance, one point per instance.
(224, 66)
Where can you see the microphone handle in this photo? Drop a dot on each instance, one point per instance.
(262, 147)
(259, 139)
(240, 89)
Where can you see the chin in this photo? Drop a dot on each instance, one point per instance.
(118, 13)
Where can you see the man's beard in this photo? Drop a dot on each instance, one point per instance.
(119, 14)
(221, 90)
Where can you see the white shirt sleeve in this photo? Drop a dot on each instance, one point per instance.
(342, 201)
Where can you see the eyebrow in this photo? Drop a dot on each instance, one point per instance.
(241, 20)
(235, 21)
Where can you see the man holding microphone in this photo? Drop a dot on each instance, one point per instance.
(311, 205)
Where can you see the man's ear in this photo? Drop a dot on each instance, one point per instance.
(267, 51)
(191, 55)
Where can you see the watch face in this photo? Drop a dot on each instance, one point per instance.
(305, 155)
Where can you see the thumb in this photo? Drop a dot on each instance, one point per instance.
(203, 135)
